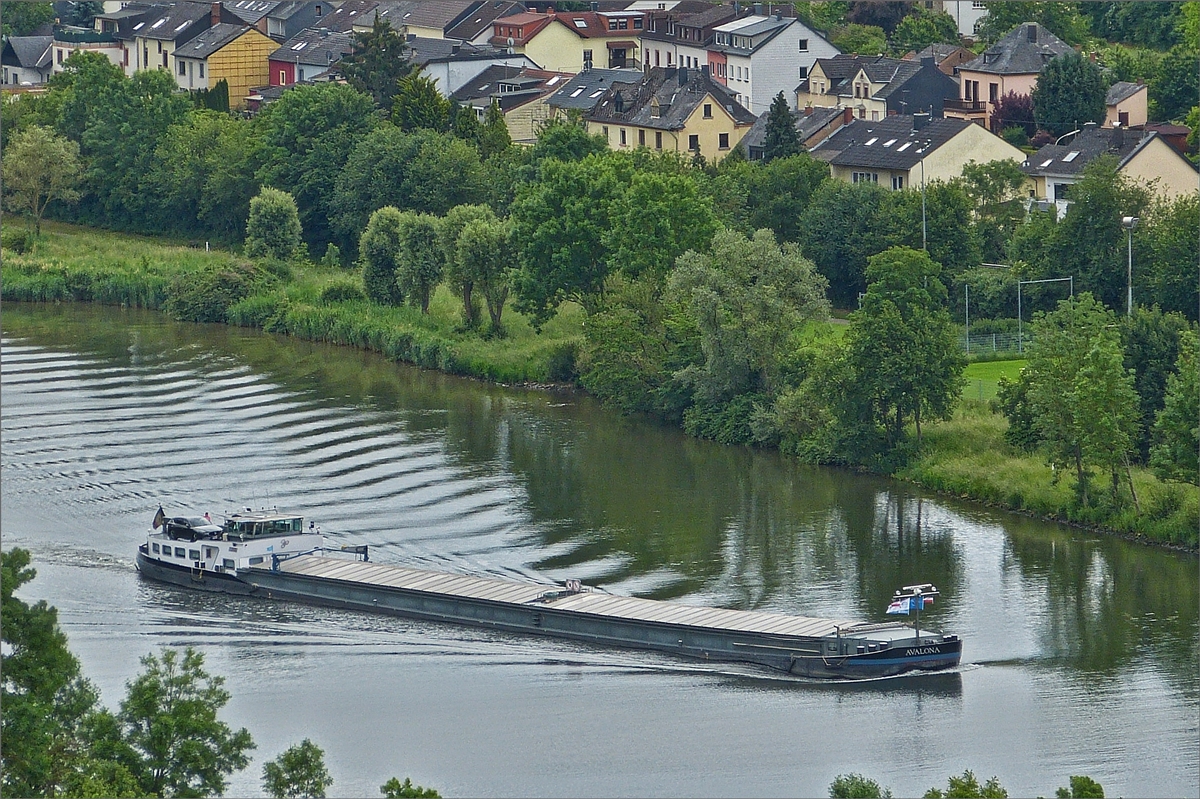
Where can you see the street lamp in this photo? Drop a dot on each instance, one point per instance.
(1129, 223)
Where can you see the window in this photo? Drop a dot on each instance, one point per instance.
(318, 9)
(159, 46)
(202, 69)
(194, 554)
(641, 138)
(612, 24)
(153, 547)
(993, 91)
(587, 58)
(897, 182)
(804, 45)
(658, 139)
(747, 73)
(282, 77)
(623, 24)
(605, 129)
(59, 51)
(164, 60)
(255, 561)
(182, 66)
(228, 564)
(708, 110)
(723, 141)
(622, 137)
(864, 177)
(803, 73)
(693, 143)
(874, 116)
(146, 56)
(637, 24)
(179, 553)
(1123, 118)
(979, 5)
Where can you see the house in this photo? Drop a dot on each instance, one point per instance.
(903, 151)
(671, 108)
(236, 54)
(813, 125)
(252, 12)
(288, 18)
(476, 27)
(757, 57)
(1142, 156)
(875, 86)
(306, 55)
(27, 60)
(968, 14)
(452, 65)
(156, 34)
(1010, 65)
(1125, 105)
(69, 40)
(574, 41)
(350, 13)
(674, 39)
(520, 93)
(948, 57)
(580, 94)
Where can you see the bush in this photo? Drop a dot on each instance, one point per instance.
(273, 229)
(856, 786)
(1015, 135)
(205, 295)
(20, 240)
(341, 292)
(561, 367)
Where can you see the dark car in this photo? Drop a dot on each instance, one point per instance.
(191, 528)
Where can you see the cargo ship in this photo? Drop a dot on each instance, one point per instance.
(274, 555)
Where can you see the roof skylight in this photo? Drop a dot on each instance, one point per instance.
(1046, 163)
(889, 142)
(554, 80)
(904, 147)
(156, 24)
(577, 92)
(596, 93)
(580, 23)
(1071, 156)
(870, 141)
(299, 45)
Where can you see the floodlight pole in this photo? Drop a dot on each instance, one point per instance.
(1129, 223)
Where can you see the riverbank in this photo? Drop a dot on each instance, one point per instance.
(966, 456)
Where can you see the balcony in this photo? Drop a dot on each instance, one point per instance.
(965, 106)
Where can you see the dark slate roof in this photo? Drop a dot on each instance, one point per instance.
(481, 19)
(510, 86)
(1020, 52)
(171, 21)
(1071, 158)
(755, 27)
(938, 51)
(315, 46)
(422, 51)
(438, 13)
(29, 52)
(1122, 90)
(287, 9)
(806, 125)
(889, 143)
(841, 69)
(679, 93)
(251, 11)
(210, 41)
(349, 13)
(131, 15)
(585, 89)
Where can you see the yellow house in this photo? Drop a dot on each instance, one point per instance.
(901, 151)
(573, 41)
(673, 109)
(1126, 105)
(236, 54)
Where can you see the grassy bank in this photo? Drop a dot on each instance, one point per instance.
(966, 456)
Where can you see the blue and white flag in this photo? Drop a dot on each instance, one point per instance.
(900, 606)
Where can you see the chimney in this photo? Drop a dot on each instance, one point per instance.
(1117, 140)
(704, 71)
(215, 17)
(847, 115)
(928, 63)
(808, 110)
(758, 9)
(683, 76)
(595, 7)
(778, 16)
(920, 120)
(1031, 31)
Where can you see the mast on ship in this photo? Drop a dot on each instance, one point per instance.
(910, 599)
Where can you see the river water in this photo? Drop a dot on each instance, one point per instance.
(1080, 652)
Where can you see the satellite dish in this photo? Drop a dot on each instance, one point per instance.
(510, 41)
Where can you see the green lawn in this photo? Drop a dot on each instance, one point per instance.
(983, 377)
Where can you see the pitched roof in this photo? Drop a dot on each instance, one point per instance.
(585, 89)
(1070, 159)
(842, 69)
(349, 14)
(422, 50)
(938, 51)
(210, 41)
(665, 98)
(287, 9)
(250, 10)
(1122, 90)
(438, 14)
(315, 46)
(889, 143)
(28, 52)
(528, 23)
(171, 21)
(752, 26)
(806, 125)
(510, 86)
(1024, 50)
(482, 18)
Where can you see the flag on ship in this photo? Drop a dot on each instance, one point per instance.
(900, 606)
(160, 518)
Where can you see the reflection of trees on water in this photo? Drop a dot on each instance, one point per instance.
(1109, 603)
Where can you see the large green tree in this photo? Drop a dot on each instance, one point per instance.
(298, 773)
(419, 258)
(782, 140)
(461, 278)
(1176, 451)
(1165, 253)
(485, 256)
(22, 19)
(902, 345)
(1060, 18)
(493, 135)
(1070, 91)
(923, 28)
(418, 105)
(844, 225)
(170, 734)
(1175, 86)
(379, 249)
(377, 63)
(273, 226)
(654, 221)
(1150, 341)
(566, 140)
(40, 167)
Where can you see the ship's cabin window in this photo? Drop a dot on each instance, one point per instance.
(255, 561)
(194, 554)
(242, 530)
(154, 548)
(179, 552)
(228, 564)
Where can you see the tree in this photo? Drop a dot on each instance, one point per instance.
(1150, 342)
(377, 63)
(40, 166)
(1174, 89)
(856, 786)
(1081, 788)
(379, 249)
(657, 219)
(950, 237)
(884, 15)
(1165, 256)
(1014, 110)
(1175, 454)
(1069, 92)
(485, 255)
(846, 223)
(566, 140)
(273, 227)
(782, 139)
(1140, 24)
(22, 19)
(418, 259)
(394, 789)
(307, 136)
(994, 189)
(460, 277)
(494, 136)
(967, 787)
(861, 39)
(902, 346)
(560, 223)
(465, 124)
(1103, 393)
(923, 28)
(173, 739)
(1060, 18)
(298, 773)
(418, 104)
